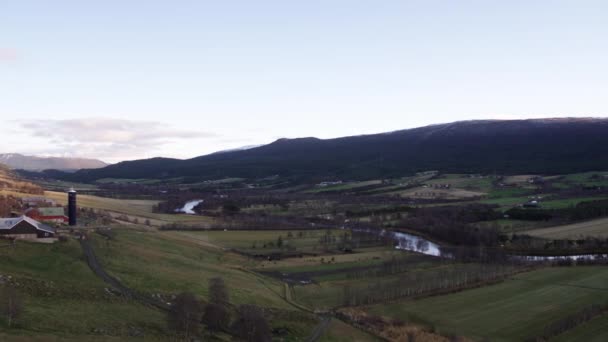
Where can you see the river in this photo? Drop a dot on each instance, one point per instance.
(415, 243)
(189, 207)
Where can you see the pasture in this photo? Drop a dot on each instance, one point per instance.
(510, 311)
(424, 192)
(265, 241)
(339, 331)
(592, 331)
(598, 228)
(62, 297)
(160, 262)
(132, 208)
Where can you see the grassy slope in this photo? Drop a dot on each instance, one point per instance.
(512, 310)
(169, 263)
(164, 262)
(63, 298)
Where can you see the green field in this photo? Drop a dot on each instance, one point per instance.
(345, 186)
(63, 298)
(595, 330)
(506, 201)
(253, 241)
(133, 208)
(166, 262)
(568, 202)
(481, 184)
(597, 227)
(509, 311)
(339, 331)
(508, 192)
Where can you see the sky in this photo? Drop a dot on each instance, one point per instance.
(123, 80)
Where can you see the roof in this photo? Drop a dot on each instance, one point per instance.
(9, 223)
(51, 211)
(37, 199)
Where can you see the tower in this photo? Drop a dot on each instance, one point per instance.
(72, 206)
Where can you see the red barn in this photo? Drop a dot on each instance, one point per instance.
(49, 214)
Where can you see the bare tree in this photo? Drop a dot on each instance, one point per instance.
(216, 317)
(218, 293)
(217, 314)
(185, 314)
(10, 304)
(251, 325)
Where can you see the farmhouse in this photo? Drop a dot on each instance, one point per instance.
(531, 204)
(24, 228)
(47, 214)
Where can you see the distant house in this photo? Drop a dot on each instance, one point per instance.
(24, 228)
(531, 204)
(324, 184)
(536, 180)
(48, 214)
(37, 201)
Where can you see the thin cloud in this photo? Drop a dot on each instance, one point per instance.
(8, 55)
(107, 139)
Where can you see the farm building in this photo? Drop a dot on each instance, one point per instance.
(37, 201)
(531, 204)
(47, 214)
(24, 228)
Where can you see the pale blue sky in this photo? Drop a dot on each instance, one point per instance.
(131, 79)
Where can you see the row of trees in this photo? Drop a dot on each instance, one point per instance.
(582, 211)
(442, 280)
(535, 245)
(567, 323)
(452, 224)
(187, 313)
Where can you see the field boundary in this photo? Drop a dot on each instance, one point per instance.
(98, 269)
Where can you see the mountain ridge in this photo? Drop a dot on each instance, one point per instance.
(507, 146)
(35, 163)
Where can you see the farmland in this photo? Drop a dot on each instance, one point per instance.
(592, 331)
(514, 310)
(140, 209)
(71, 306)
(270, 251)
(597, 227)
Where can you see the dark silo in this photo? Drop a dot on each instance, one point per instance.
(72, 207)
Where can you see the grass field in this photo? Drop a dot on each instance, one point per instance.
(363, 257)
(245, 240)
(568, 202)
(597, 227)
(168, 263)
(509, 311)
(506, 202)
(339, 331)
(479, 184)
(140, 209)
(63, 186)
(508, 192)
(595, 330)
(520, 180)
(432, 193)
(165, 262)
(345, 186)
(63, 298)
